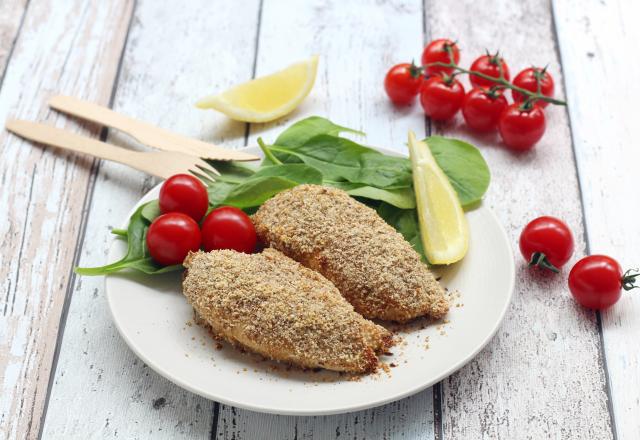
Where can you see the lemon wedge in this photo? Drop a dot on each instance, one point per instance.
(267, 98)
(443, 226)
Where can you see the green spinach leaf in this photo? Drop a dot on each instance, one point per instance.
(340, 159)
(137, 256)
(150, 211)
(303, 130)
(403, 198)
(218, 191)
(464, 166)
(230, 171)
(269, 181)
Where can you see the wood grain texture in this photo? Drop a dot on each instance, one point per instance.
(11, 16)
(43, 191)
(174, 55)
(409, 418)
(357, 42)
(596, 41)
(542, 375)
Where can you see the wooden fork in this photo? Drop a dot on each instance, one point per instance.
(161, 164)
(145, 133)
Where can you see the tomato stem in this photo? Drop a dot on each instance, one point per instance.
(494, 92)
(629, 279)
(537, 96)
(414, 70)
(539, 259)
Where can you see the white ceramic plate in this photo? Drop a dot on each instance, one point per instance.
(157, 323)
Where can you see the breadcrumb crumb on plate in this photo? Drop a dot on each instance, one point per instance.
(151, 315)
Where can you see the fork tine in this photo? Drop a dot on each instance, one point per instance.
(204, 166)
(210, 174)
(206, 179)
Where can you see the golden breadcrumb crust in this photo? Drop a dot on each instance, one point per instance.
(282, 310)
(371, 264)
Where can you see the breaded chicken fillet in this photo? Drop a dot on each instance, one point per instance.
(371, 264)
(274, 306)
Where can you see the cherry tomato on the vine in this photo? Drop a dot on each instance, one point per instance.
(488, 65)
(596, 281)
(482, 109)
(436, 52)
(521, 128)
(528, 80)
(228, 228)
(402, 83)
(546, 242)
(441, 98)
(171, 236)
(186, 194)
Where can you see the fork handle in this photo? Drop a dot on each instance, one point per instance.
(95, 113)
(57, 137)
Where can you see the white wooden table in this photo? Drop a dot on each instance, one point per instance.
(553, 370)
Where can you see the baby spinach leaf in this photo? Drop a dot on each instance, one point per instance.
(269, 181)
(464, 166)
(303, 130)
(403, 198)
(341, 159)
(137, 256)
(298, 172)
(230, 171)
(218, 191)
(255, 192)
(233, 188)
(151, 210)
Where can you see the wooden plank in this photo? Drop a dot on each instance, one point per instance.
(173, 56)
(542, 375)
(357, 43)
(407, 418)
(11, 16)
(71, 48)
(596, 40)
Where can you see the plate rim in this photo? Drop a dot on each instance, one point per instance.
(334, 410)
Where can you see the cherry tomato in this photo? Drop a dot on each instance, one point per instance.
(527, 79)
(402, 83)
(228, 228)
(489, 65)
(546, 242)
(186, 194)
(441, 100)
(436, 52)
(171, 236)
(596, 281)
(521, 129)
(482, 110)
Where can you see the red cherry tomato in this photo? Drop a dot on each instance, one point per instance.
(527, 79)
(436, 52)
(171, 236)
(186, 194)
(489, 65)
(521, 129)
(228, 228)
(440, 100)
(402, 83)
(546, 242)
(596, 281)
(482, 110)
